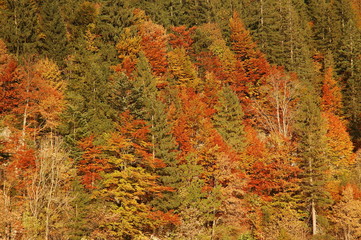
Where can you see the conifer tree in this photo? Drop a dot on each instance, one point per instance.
(326, 27)
(348, 67)
(114, 16)
(52, 43)
(87, 93)
(311, 132)
(229, 119)
(20, 26)
(283, 34)
(152, 110)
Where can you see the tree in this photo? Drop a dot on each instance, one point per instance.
(348, 68)
(196, 206)
(281, 29)
(129, 182)
(128, 48)
(154, 46)
(48, 195)
(326, 25)
(20, 30)
(181, 37)
(182, 69)
(310, 131)
(346, 215)
(91, 164)
(52, 42)
(229, 119)
(88, 111)
(254, 63)
(276, 106)
(340, 147)
(9, 82)
(53, 103)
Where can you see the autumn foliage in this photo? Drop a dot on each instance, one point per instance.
(210, 120)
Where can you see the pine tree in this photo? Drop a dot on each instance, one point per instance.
(311, 132)
(20, 26)
(152, 110)
(88, 109)
(229, 119)
(114, 16)
(281, 29)
(196, 206)
(52, 43)
(326, 27)
(348, 67)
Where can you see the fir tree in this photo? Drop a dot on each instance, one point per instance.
(113, 18)
(229, 119)
(311, 132)
(52, 42)
(87, 93)
(19, 26)
(349, 68)
(153, 111)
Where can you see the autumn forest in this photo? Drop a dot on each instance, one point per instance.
(180, 119)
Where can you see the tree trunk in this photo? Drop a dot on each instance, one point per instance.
(314, 219)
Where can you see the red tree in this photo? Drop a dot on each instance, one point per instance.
(91, 162)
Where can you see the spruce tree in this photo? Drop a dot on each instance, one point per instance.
(87, 94)
(52, 42)
(312, 146)
(281, 29)
(151, 109)
(349, 68)
(19, 26)
(229, 119)
(114, 16)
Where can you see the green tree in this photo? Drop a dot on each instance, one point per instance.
(196, 206)
(282, 31)
(114, 16)
(151, 109)
(229, 119)
(349, 68)
(88, 110)
(310, 131)
(19, 26)
(52, 41)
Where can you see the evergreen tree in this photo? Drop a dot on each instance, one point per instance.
(196, 206)
(281, 29)
(229, 119)
(163, 146)
(19, 26)
(326, 27)
(349, 68)
(114, 16)
(310, 131)
(87, 92)
(52, 42)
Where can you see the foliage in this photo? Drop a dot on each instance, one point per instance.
(180, 119)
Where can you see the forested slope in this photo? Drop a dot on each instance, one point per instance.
(180, 119)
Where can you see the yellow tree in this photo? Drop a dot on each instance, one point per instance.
(347, 214)
(182, 69)
(340, 148)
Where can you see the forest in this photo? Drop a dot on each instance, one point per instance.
(180, 119)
